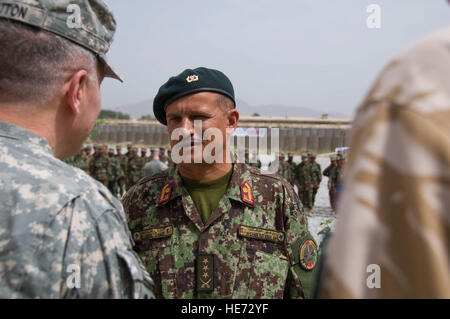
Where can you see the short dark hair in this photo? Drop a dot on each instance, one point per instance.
(34, 62)
(224, 102)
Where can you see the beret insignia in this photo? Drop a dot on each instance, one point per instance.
(308, 255)
(165, 193)
(192, 78)
(247, 193)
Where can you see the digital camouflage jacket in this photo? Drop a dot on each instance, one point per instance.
(256, 243)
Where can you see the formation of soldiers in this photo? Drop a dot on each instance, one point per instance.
(307, 176)
(117, 171)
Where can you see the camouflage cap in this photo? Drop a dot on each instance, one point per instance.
(311, 154)
(333, 158)
(88, 23)
(305, 155)
(290, 154)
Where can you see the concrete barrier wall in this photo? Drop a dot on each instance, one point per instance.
(291, 139)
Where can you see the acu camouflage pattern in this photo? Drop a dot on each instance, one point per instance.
(54, 215)
(97, 25)
(243, 267)
(395, 207)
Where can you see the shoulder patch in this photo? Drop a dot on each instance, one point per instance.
(308, 255)
(247, 193)
(166, 190)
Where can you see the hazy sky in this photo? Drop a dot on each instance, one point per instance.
(311, 53)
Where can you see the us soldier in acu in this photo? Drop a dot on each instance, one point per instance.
(55, 221)
(217, 230)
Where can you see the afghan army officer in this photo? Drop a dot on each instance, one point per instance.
(316, 177)
(304, 182)
(328, 172)
(123, 160)
(134, 168)
(214, 229)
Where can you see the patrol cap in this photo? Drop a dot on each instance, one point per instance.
(305, 155)
(188, 82)
(311, 154)
(290, 154)
(95, 31)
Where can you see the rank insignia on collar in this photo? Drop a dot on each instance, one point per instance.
(192, 78)
(308, 255)
(165, 194)
(247, 193)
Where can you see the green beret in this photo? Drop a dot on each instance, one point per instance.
(188, 82)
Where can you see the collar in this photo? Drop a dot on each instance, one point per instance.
(11, 131)
(241, 178)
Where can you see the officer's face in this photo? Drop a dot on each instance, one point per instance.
(201, 107)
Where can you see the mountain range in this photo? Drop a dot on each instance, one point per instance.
(137, 110)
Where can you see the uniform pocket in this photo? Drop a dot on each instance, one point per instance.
(261, 272)
(157, 255)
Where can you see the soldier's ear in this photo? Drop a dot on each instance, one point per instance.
(76, 90)
(232, 118)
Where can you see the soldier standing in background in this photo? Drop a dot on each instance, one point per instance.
(98, 166)
(162, 156)
(305, 185)
(56, 221)
(328, 172)
(290, 169)
(123, 160)
(155, 165)
(316, 177)
(114, 173)
(134, 168)
(144, 156)
(253, 163)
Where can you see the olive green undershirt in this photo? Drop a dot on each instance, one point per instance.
(207, 194)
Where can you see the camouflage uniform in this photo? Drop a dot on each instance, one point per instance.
(114, 173)
(54, 217)
(135, 170)
(304, 181)
(290, 172)
(316, 178)
(328, 172)
(98, 168)
(123, 160)
(395, 206)
(226, 258)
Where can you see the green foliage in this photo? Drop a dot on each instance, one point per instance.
(326, 229)
(146, 117)
(96, 129)
(108, 114)
(256, 114)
